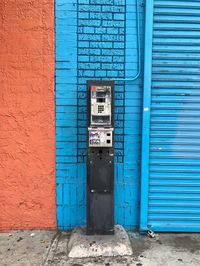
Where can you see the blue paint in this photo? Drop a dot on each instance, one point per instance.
(170, 194)
(97, 40)
(146, 116)
(136, 76)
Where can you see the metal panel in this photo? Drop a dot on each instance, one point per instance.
(170, 198)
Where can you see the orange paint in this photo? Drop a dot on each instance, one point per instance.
(27, 122)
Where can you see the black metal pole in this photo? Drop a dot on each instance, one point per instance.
(100, 161)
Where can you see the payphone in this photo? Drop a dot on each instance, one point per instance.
(100, 162)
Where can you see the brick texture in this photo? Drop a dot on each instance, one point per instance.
(96, 39)
(101, 30)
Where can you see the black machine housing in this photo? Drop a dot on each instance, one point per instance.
(100, 161)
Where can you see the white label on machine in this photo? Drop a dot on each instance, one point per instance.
(100, 138)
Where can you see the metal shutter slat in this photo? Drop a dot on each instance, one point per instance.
(173, 160)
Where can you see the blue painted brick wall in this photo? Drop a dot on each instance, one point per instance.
(100, 31)
(96, 39)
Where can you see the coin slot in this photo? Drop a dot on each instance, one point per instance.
(101, 100)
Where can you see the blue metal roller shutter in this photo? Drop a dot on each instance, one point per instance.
(170, 199)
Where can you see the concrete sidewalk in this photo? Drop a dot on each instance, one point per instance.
(47, 248)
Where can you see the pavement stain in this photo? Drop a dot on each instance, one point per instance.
(186, 242)
(139, 244)
(183, 248)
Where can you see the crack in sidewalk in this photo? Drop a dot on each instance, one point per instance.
(52, 250)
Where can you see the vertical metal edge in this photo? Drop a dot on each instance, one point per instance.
(146, 115)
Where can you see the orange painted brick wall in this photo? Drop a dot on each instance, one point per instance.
(27, 123)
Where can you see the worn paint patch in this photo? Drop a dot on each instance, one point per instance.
(27, 135)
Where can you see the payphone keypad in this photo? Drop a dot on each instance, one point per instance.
(100, 105)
